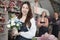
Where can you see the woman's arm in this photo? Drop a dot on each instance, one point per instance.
(32, 31)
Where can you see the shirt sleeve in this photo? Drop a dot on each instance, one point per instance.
(31, 32)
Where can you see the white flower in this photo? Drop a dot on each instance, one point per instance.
(8, 25)
(12, 23)
(17, 24)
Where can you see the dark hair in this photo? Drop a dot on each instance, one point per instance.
(29, 15)
(56, 13)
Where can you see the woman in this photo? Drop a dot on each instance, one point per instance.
(55, 27)
(28, 29)
(42, 23)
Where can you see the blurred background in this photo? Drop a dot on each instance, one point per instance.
(11, 9)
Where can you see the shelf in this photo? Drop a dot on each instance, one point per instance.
(2, 23)
(2, 33)
(2, 13)
(2, 6)
(15, 8)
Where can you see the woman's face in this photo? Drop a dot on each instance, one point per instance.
(25, 9)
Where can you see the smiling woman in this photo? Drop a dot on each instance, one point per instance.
(28, 29)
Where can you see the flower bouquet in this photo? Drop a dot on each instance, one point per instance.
(12, 24)
(13, 27)
(47, 36)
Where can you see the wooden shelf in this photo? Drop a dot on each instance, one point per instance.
(2, 33)
(2, 13)
(3, 20)
(3, 23)
(15, 8)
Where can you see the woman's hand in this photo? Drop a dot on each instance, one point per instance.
(14, 32)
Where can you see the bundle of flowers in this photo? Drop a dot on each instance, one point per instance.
(47, 36)
(12, 24)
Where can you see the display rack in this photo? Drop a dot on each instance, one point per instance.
(3, 24)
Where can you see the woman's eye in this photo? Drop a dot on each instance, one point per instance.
(26, 7)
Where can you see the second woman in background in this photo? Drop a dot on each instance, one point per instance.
(42, 23)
